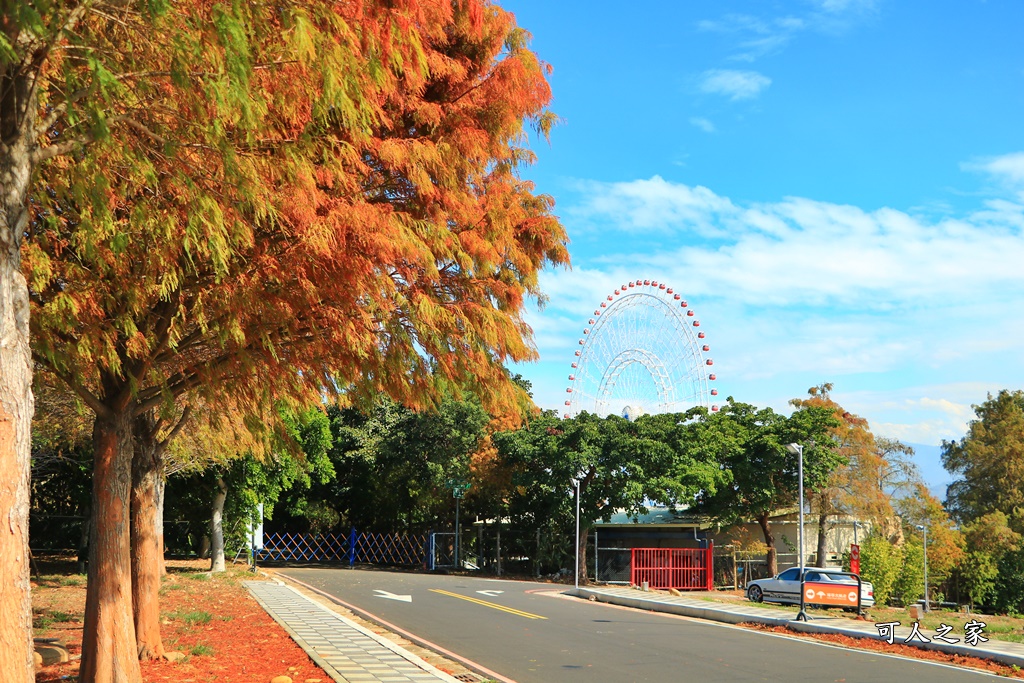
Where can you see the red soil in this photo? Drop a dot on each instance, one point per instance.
(239, 644)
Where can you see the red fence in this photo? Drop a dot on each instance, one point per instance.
(679, 568)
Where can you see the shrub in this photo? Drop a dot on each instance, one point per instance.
(1009, 588)
(880, 563)
(909, 586)
(978, 575)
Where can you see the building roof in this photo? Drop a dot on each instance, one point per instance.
(655, 517)
(682, 518)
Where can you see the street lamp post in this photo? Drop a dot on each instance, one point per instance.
(577, 540)
(924, 529)
(798, 450)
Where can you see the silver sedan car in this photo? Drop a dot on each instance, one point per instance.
(785, 587)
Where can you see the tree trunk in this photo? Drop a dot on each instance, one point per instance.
(83, 540)
(158, 523)
(581, 542)
(16, 401)
(109, 650)
(203, 553)
(822, 539)
(217, 527)
(144, 546)
(581, 539)
(769, 540)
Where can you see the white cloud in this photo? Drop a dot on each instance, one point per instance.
(796, 292)
(772, 251)
(928, 414)
(1011, 166)
(759, 47)
(1008, 170)
(735, 23)
(702, 123)
(760, 36)
(650, 205)
(840, 6)
(736, 85)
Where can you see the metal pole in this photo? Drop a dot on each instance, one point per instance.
(480, 559)
(799, 450)
(536, 558)
(456, 532)
(926, 607)
(800, 474)
(595, 554)
(855, 525)
(577, 534)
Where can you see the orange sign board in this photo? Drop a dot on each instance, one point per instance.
(834, 594)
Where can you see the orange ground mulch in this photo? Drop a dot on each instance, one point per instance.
(225, 635)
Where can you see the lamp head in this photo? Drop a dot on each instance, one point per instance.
(920, 527)
(794, 448)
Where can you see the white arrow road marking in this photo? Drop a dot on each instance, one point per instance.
(490, 593)
(392, 596)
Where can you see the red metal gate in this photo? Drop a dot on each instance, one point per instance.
(679, 568)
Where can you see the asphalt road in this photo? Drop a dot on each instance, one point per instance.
(528, 633)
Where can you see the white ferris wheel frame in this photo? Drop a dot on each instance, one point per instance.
(664, 341)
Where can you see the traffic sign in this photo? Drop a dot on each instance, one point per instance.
(458, 487)
(855, 558)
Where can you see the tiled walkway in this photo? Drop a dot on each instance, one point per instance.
(345, 650)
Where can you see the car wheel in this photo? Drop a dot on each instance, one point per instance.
(754, 594)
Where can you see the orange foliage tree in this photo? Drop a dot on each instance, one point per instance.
(854, 443)
(313, 198)
(873, 470)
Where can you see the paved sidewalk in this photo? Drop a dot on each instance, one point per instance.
(740, 612)
(348, 652)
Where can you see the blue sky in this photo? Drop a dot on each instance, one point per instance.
(836, 186)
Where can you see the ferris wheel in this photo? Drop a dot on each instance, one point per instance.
(642, 353)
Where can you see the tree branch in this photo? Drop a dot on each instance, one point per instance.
(185, 414)
(91, 400)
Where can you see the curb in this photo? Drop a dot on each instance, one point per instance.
(725, 616)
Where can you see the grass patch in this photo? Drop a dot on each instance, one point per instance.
(997, 627)
(44, 619)
(191, 618)
(172, 587)
(74, 580)
(200, 577)
(201, 650)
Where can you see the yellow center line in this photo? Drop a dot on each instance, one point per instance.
(488, 604)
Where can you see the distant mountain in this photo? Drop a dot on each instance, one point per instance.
(929, 460)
